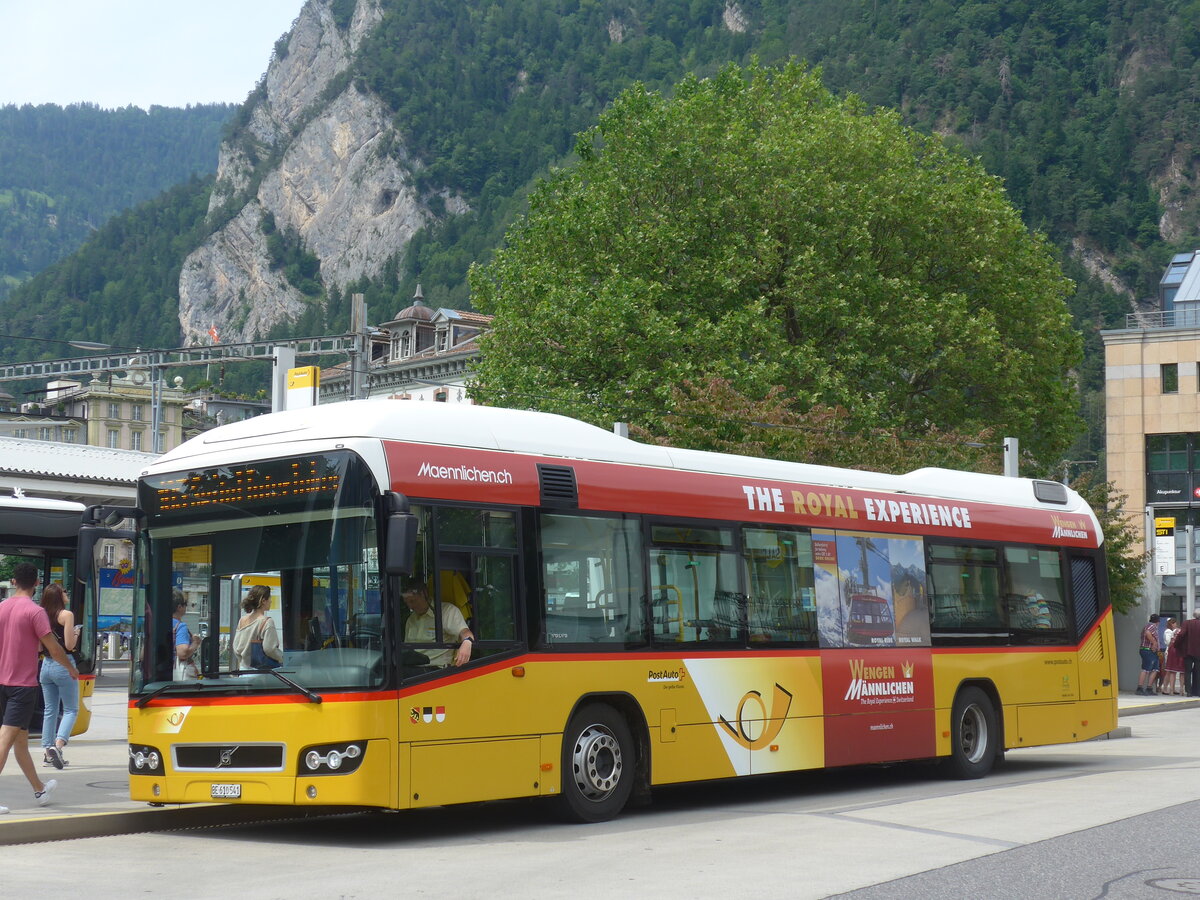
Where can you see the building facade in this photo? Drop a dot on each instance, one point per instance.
(421, 354)
(1152, 400)
(117, 410)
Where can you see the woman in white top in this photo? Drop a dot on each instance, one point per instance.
(256, 627)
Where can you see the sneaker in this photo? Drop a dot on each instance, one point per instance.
(1140, 690)
(43, 796)
(55, 756)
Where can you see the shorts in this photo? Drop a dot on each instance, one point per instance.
(1149, 660)
(18, 705)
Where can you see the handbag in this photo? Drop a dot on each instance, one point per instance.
(184, 669)
(258, 657)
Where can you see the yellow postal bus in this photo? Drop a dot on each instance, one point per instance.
(635, 615)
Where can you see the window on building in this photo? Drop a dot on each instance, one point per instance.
(1170, 378)
(1166, 452)
(114, 410)
(136, 412)
(114, 438)
(136, 440)
(21, 433)
(45, 434)
(70, 435)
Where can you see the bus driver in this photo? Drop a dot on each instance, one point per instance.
(420, 627)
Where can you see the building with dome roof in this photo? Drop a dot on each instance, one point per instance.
(421, 354)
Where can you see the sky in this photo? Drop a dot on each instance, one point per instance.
(142, 52)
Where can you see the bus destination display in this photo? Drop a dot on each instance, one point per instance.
(267, 483)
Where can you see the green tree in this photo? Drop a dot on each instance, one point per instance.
(758, 229)
(711, 415)
(1122, 540)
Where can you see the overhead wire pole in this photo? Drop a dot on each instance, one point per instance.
(281, 354)
(360, 356)
(125, 358)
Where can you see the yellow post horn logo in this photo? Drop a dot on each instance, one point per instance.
(780, 704)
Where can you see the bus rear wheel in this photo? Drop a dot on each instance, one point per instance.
(598, 764)
(974, 735)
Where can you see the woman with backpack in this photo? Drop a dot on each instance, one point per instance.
(57, 683)
(256, 643)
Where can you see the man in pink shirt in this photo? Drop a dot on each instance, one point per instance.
(24, 628)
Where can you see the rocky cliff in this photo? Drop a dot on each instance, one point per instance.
(310, 156)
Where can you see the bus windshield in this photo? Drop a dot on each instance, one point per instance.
(283, 551)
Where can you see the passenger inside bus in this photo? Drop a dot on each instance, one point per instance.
(1028, 607)
(421, 628)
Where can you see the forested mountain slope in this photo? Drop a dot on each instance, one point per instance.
(65, 171)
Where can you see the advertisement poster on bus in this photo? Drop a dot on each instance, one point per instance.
(871, 590)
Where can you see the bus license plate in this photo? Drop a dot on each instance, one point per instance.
(226, 791)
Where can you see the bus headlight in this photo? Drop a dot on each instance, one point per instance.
(330, 759)
(144, 760)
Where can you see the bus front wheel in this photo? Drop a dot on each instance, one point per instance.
(974, 735)
(598, 765)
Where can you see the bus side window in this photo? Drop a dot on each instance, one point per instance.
(781, 606)
(591, 580)
(965, 591)
(471, 557)
(493, 599)
(694, 591)
(1033, 580)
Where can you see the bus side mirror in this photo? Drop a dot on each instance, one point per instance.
(400, 547)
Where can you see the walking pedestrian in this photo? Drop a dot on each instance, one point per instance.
(24, 628)
(57, 683)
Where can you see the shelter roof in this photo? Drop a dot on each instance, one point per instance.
(77, 462)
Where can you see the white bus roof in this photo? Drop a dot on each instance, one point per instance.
(549, 435)
(40, 503)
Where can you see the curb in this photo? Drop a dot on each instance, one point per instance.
(1158, 707)
(136, 821)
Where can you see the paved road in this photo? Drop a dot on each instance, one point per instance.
(1112, 819)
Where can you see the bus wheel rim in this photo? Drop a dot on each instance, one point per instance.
(973, 736)
(596, 762)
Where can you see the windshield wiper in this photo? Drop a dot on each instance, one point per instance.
(312, 696)
(164, 688)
